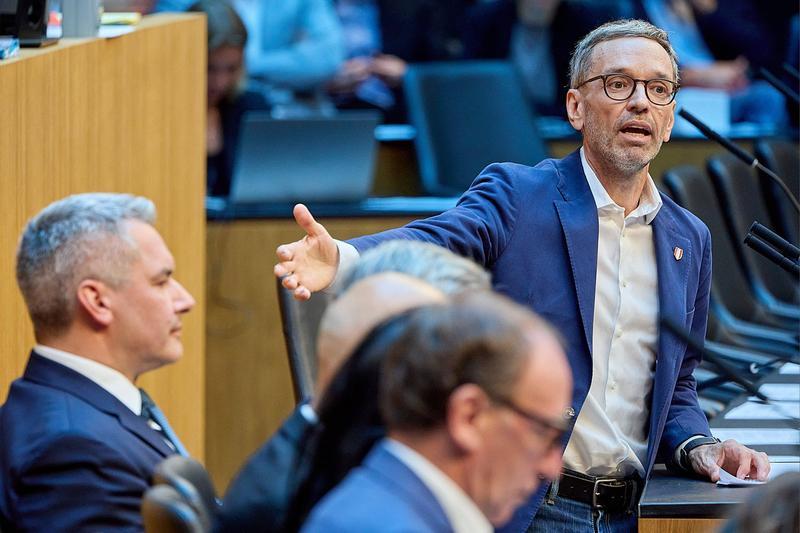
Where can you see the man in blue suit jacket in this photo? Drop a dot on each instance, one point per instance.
(589, 243)
(76, 451)
(474, 394)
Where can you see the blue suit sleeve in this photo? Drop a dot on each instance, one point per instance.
(478, 227)
(685, 417)
(78, 484)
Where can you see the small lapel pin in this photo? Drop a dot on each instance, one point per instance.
(678, 253)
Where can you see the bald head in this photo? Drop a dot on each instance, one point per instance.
(367, 303)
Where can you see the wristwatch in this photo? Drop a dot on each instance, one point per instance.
(691, 445)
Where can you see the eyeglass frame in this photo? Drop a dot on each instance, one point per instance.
(633, 89)
(560, 428)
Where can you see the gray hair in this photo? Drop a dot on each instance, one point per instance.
(581, 60)
(433, 264)
(76, 238)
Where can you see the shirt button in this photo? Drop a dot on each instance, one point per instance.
(618, 333)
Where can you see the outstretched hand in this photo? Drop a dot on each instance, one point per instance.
(731, 456)
(310, 264)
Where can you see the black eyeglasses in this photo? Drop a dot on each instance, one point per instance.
(620, 87)
(557, 427)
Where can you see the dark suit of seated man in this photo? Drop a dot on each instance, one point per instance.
(475, 395)
(78, 440)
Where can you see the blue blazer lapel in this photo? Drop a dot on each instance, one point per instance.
(51, 374)
(674, 256)
(409, 486)
(578, 216)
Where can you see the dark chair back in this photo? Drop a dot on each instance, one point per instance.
(468, 114)
(165, 511)
(783, 158)
(192, 481)
(738, 188)
(689, 187)
(300, 328)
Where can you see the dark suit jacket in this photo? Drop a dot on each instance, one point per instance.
(258, 497)
(536, 229)
(72, 456)
(382, 495)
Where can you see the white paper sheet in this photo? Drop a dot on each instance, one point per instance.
(732, 481)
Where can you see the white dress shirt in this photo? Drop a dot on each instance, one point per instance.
(610, 434)
(106, 377)
(461, 511)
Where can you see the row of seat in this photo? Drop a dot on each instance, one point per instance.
(754, 314)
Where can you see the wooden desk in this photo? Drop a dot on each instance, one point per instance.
(126, 115)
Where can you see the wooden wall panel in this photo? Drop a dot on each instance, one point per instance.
(248, 384)
(123, 115)
(677, 525)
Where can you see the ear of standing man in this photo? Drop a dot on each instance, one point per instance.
(589, 243)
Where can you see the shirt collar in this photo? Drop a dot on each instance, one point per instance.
(649, 203)
(461, 511)
(104, 376)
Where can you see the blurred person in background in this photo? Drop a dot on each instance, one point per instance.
(295, 47)
(751, 100)
(228, 101)
(381, 38)
(538, 36)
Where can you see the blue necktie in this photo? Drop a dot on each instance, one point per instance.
(156, 420)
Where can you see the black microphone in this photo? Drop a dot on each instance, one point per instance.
(748, 158)
(767, 251)
(778, 84)
(779, 243)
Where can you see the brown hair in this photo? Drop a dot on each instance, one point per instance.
(481, 338)
(225, 27)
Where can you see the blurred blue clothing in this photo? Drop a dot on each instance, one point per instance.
(292, 43)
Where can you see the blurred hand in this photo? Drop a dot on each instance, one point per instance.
(731, 456)
(352, 73)
(389, 68)
(310, 264)
(726, 75)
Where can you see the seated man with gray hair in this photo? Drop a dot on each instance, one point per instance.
(475, 395)
(78, 440)
(386, 281)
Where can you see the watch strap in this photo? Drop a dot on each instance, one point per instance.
(691, 445)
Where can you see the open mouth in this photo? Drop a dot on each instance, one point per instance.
(637, 128)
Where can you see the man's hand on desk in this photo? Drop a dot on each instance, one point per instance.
(310, 264)
(733, 457)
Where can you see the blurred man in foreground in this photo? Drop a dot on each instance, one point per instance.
(474, 395)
